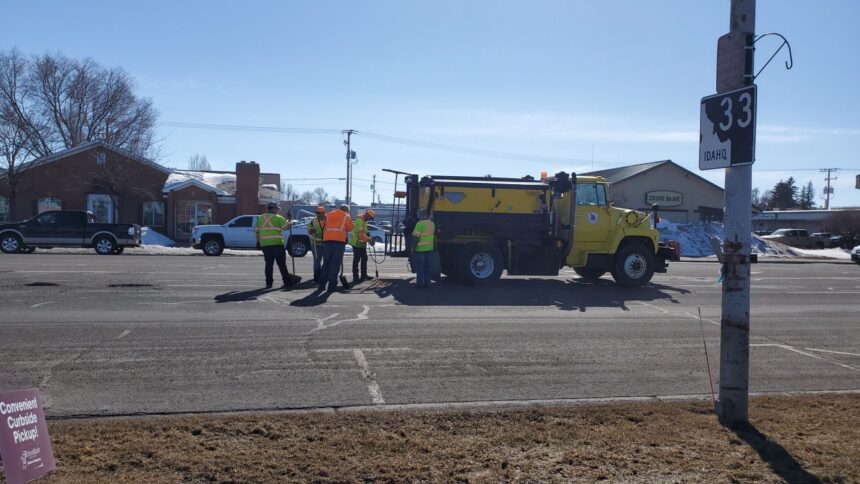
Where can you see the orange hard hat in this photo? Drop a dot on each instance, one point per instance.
(320, 209)
(371, 213)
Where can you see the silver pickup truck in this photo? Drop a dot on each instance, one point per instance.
(238, 233)
(798, 238)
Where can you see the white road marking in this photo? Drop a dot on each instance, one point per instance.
(41, 304)
(834, 352)
(343, 350)
(665, 311)
(715, 323)
(792, 348)
(321, 322)
(372, 385)
(123, 334)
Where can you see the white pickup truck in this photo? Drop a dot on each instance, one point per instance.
(238, 233)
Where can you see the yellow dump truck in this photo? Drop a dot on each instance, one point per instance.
(535, 227)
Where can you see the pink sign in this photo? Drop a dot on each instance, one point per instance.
(25, 448)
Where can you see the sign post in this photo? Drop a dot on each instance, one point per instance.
(25, 448)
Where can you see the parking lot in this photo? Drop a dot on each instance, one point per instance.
(119, 335)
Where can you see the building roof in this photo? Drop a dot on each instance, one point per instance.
(615, 175)
(222, 183)
(800, 215)
(86, 147)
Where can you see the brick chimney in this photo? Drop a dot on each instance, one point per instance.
(247, 188)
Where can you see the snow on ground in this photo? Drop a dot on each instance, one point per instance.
(153, 237)
(694, 240)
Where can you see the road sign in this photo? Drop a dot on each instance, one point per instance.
(727, 129)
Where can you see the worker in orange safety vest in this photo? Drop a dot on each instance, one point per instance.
(338, 225)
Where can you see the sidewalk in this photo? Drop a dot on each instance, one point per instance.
(776, 260)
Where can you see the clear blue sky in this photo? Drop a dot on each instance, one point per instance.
(556, 79)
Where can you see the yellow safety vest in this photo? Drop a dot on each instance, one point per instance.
(271, 228)
(315, 230)
(425, 231)
(358, 237)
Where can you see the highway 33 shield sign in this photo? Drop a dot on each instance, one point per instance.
(727, 129)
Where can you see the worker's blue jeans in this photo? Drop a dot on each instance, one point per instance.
(318, 257)
(422, 268)
(332, 260)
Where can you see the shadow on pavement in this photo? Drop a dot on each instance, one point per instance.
(779, 459)
(241, 296)
(569, 295)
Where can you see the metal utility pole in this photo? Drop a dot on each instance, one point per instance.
(733, 405)
(828, 190)
(348, 143)
(373, 190)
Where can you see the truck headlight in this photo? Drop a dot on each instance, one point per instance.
(131, 230)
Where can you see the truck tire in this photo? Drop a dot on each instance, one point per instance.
(589, 273)
(104, 245)
(479, 265)
(634, 265)
(11, 244)
(298, 246)
(212, 246)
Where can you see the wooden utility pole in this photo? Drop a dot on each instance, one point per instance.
(733, 405)
(348, 142)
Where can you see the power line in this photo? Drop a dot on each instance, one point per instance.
(241, 127)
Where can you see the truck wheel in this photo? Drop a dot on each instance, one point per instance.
(298, 247)
(11, 244)
(377, 240)
(589, 273)
(119, 250)
(634, 265)
(212, 246)
(479, 265)
(104, 245)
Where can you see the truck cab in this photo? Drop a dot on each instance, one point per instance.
(527, 227)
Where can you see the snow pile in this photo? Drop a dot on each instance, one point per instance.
(269, 191)
(226, 182)
(694, 240)
(150, 236)
(835, 253)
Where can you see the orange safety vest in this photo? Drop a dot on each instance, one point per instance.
(337, 226)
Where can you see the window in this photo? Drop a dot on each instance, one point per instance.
(242, 222)
(586, 194)
(5, 216)
(102, 208)
(191, 213)
(153, 214)
(601, 194)
(48, 204)
(47, 218)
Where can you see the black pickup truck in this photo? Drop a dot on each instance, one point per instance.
(67, 228)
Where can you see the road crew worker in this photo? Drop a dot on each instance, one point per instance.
(315, 231)
(358, 239)
(270, 238)
(337, 227)
(423, 245)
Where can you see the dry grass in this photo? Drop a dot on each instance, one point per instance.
(798, 439)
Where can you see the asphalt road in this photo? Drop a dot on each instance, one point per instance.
(117, 335)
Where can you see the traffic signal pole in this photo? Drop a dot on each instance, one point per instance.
(733, 404)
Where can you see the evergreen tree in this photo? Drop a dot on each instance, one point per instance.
(807, 197)
(784, 195)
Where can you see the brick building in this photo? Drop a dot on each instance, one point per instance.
(119, 187)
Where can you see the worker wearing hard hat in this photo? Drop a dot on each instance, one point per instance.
(338, 225)
(358, 239)
(270, 238)
(423, 245)
(315, 231)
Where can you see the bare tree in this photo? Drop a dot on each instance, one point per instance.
(199, 163)
(320, 195)
(61, 102)
(307, 197)
(289, 193)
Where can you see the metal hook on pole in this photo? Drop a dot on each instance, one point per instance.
(788, 64)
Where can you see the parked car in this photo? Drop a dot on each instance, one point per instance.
(238, 233)
(67, 228)
(377, 234)
(855, 254)
(844, 241)
(798, 238)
